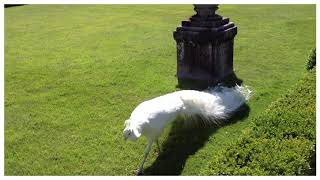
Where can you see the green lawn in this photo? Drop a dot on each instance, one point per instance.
(74, 73)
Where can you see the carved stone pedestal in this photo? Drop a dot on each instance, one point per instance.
(204, 48)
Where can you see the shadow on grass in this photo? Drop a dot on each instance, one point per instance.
(12, 5)
(184, 141)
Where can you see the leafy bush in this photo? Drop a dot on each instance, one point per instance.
(280, 141)
(311, 59)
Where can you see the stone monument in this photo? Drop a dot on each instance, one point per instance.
(204, 47)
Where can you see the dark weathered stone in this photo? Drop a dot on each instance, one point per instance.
(205, 47)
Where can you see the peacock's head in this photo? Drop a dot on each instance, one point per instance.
(130, 132)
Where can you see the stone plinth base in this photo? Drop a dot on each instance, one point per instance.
(205, 47)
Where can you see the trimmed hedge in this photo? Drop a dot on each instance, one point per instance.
(311, 59)
(281, 141)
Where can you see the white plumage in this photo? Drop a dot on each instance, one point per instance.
(214, 106)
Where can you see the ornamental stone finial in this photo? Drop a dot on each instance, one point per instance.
(205, 10)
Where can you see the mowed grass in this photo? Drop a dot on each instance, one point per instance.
(74, 73)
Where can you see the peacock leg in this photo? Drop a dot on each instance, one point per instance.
(146, 152)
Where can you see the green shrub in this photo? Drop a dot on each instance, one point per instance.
(280, 141)
(311, 59)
